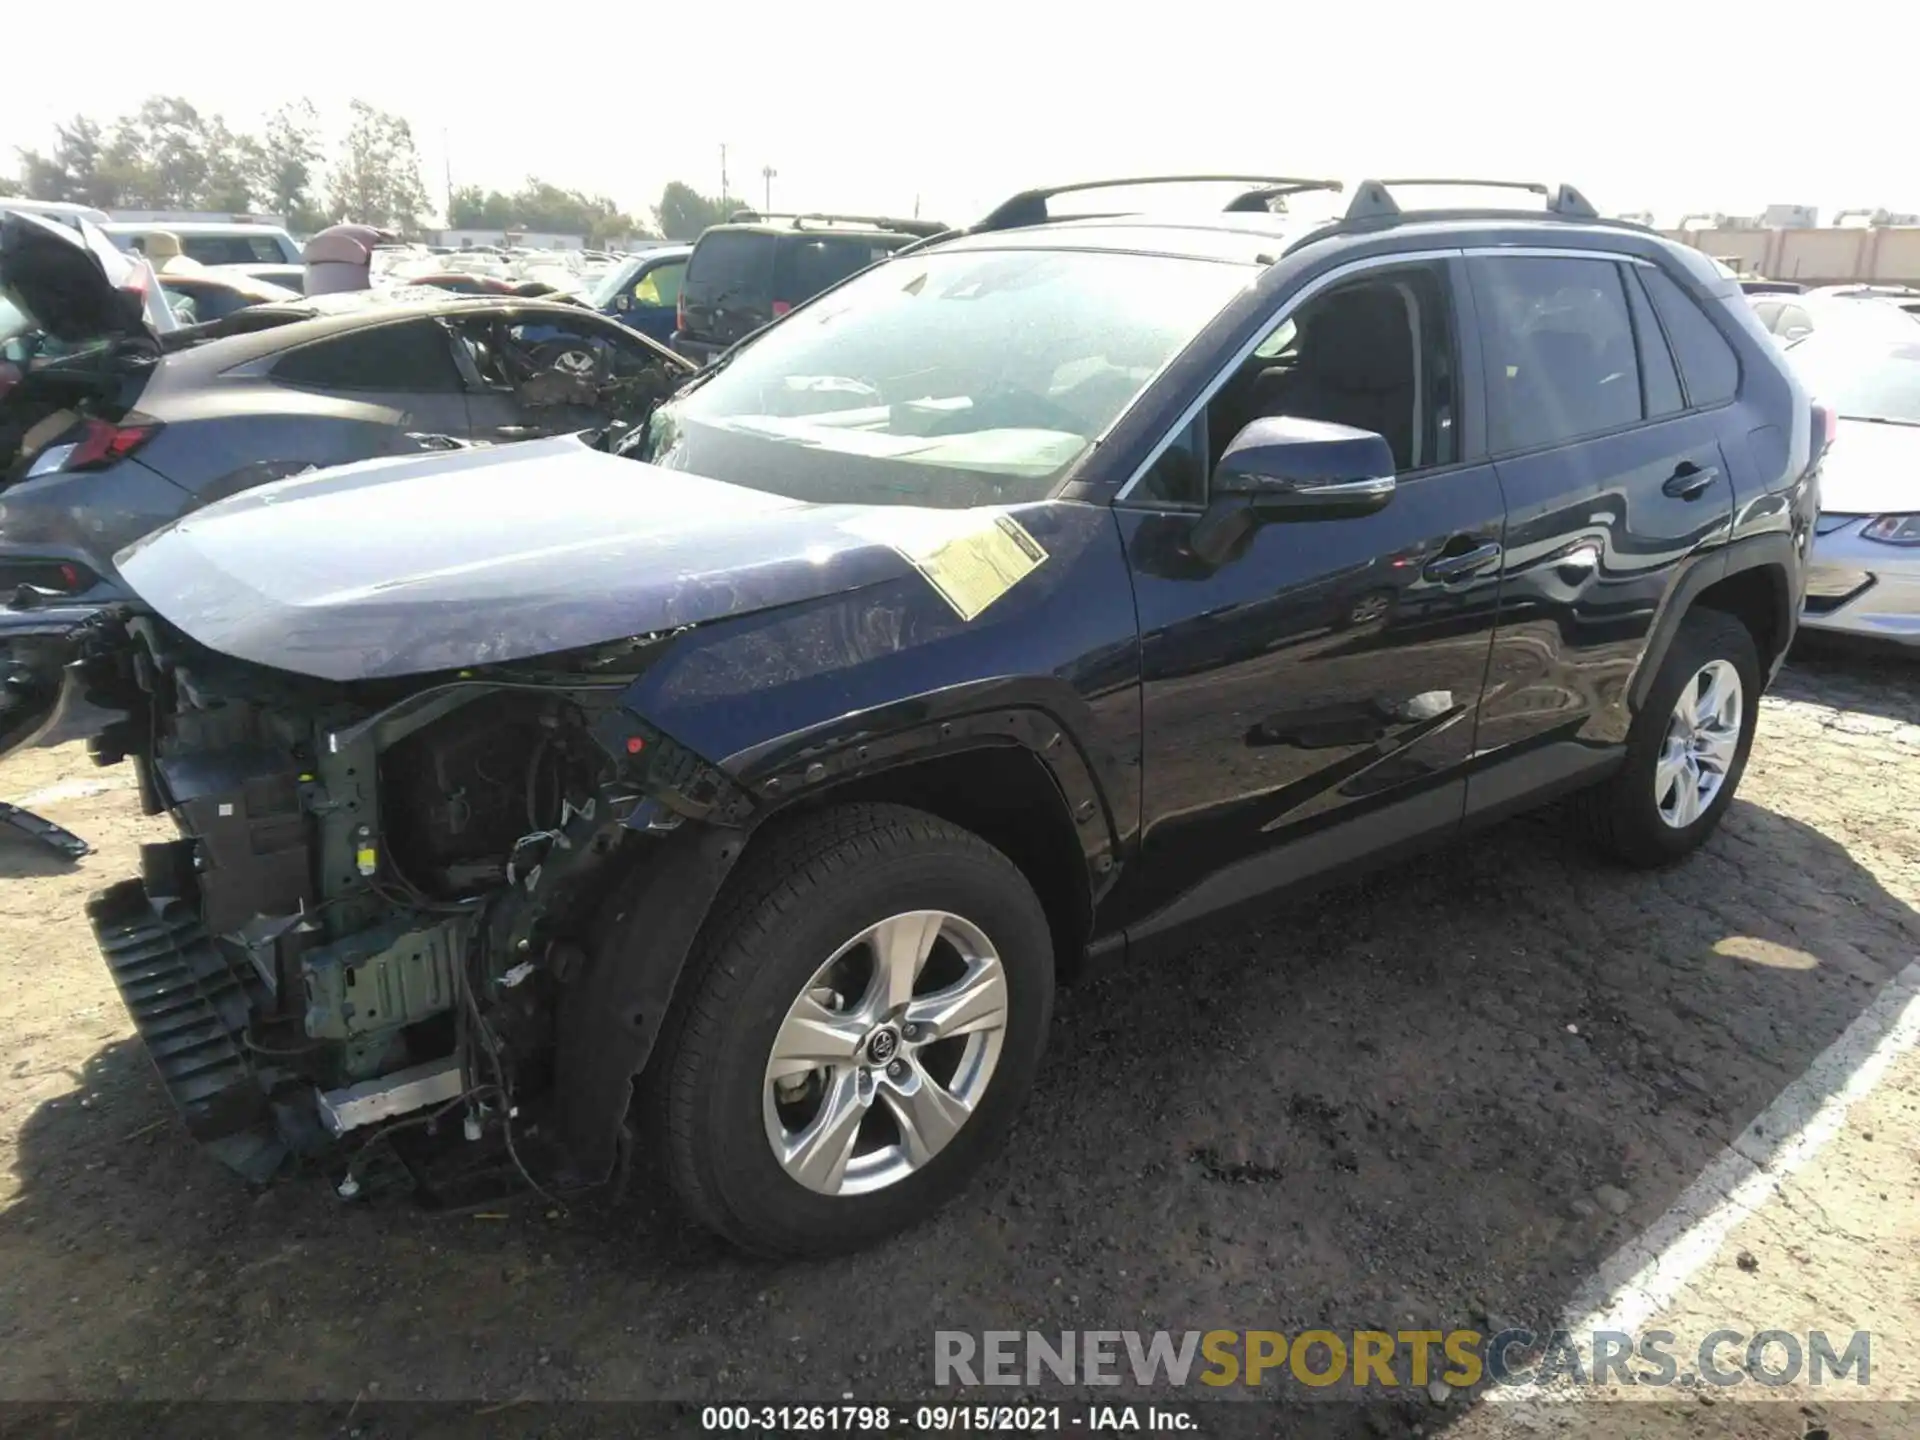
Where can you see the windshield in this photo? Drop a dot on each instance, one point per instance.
(1862, 379)
(945, 379)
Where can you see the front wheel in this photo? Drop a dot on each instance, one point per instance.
(862, 1025)
(1687, 749)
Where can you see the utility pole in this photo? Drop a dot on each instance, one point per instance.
(446, 154)
(723, 182)
(767, 174)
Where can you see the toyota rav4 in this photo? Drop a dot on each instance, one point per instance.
(732, 800)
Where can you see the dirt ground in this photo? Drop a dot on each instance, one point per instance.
(1436, 1099)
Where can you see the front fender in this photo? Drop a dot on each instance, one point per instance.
(787, 700)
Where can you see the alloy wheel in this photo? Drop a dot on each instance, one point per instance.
(886, 1053)
(1702, 740)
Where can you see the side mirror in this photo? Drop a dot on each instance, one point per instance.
(624, 302)
(1285, 468)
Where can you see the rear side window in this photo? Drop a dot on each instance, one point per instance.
(413, 357)
(1708, 367)
(806, 265)
(1559, 349)
(731, 260)
(1659, 381)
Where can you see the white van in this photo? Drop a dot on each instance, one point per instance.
(213, 242)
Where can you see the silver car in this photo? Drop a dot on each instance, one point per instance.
(1865, 575)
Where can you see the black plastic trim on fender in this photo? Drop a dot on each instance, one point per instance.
(609, 1019)
(1756, 552)
(793, 767)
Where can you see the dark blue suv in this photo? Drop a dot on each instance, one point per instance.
(1012, 605)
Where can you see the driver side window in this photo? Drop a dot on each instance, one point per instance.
(1376, 353)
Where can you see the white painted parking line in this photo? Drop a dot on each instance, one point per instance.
(1642, 1278)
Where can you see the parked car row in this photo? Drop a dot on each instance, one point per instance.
(1858, 349)
(116, 423)
(997, 602)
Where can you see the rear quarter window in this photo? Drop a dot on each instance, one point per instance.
(1709, 369)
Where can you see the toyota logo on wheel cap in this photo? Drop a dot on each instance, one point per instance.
(884, 1045)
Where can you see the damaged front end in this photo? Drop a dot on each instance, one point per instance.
(358, 950)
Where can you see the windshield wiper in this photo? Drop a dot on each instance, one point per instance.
(1881, 420)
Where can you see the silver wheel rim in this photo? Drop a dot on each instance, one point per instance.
(886, 1053)
(1703, 736)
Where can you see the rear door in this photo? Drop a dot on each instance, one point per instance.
(726, 290)
(1615, 483)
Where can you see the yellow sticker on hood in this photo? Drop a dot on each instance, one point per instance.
(970, 559)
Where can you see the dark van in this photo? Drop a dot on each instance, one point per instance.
(756, 268)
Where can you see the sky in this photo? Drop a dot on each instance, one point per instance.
(1670, 107)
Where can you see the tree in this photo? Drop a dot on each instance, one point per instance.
(71, 169)
(683, 212)
(289, 163)
(234, 164)
(538, 205)
(159, 157)
(377, 179)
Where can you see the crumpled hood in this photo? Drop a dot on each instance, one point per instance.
(414, 564)
(1872, 470)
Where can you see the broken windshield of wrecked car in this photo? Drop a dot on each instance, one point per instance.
(949, 379)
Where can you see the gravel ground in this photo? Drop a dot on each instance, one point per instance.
(1433, 1099)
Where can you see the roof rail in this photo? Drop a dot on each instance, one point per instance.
(1373, 208)
(1029, 207)
(1373, 200)
(799, 218)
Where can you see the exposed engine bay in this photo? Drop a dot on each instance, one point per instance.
(379, 892)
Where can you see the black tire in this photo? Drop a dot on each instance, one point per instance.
(803, 891)
(1622, 815)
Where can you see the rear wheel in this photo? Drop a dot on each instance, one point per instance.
(1687, 749)
(862, 1026)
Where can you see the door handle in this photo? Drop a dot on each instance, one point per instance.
(1458, 567)
(1690, 481)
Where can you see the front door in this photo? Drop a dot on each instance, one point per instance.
(1311, 698)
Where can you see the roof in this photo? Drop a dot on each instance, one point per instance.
(1254, 239)
(1243, 239)
(1248, 228)
(248, 334)
(192, 227)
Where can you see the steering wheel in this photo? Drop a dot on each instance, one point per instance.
(575, 359)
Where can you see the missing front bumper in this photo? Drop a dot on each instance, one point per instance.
(192, 1009)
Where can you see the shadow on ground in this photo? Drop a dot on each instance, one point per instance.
(1387, 1107)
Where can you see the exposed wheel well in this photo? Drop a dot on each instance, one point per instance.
(1005, 795)
(1757, 598)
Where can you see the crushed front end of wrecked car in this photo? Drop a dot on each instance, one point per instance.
(376, 896)
(409, 789)
(462, 749)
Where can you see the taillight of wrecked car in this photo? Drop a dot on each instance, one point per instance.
(99, 444)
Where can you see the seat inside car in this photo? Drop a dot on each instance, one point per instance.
(1356, 367)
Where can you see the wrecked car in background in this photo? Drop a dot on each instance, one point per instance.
(123, 425)
(744, 784)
